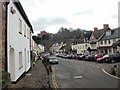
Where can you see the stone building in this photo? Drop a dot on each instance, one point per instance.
(3, 32)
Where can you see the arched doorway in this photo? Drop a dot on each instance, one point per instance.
(12, 64)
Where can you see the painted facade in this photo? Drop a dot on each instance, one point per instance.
(100, 41)
(18, 41)
(106, 43)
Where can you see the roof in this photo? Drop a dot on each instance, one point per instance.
(97, 33)
(115, 34)
(78, 41)
(22, 12)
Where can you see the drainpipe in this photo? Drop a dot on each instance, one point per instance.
(7, 41)
(6, 33)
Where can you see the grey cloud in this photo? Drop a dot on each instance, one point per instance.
(43, 23)
(84, 12)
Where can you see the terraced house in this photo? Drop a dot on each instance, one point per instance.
(109, 42)
(15, 39)
(18, 41)
(104, 40)
(95, 36)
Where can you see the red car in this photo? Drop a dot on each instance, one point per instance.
(74, 56)
(98, 56)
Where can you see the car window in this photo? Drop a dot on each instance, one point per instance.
(51, 58)
(106, 56)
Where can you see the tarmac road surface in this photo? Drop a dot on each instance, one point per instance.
(82, 74)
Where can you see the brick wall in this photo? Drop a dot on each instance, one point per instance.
(2, 35)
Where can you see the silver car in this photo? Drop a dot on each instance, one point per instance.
(53, 60)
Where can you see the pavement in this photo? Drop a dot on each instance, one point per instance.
(107, 69)
(37, 77)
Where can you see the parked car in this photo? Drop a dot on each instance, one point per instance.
(66, 56)
(90, 57)
(83, 56)
(105, 58)
(74, 56)
(78, 56)
(70, 56)
(98, 56)
(115, 58)
(53, 60)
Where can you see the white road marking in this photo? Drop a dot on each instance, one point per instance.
(54, 80)
(78, 77)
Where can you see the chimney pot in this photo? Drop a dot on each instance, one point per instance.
(95, 28)
(105, 26)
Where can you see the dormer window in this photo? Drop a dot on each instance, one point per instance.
(108, 33)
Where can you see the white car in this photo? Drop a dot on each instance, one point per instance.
(53, 60)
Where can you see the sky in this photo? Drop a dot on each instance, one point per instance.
(51, 15)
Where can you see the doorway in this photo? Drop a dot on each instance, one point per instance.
(12, 64)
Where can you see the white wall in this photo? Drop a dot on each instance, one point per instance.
(82, 48)
(18, 42)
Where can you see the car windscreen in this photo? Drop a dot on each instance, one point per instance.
(105, 56)
(52, 58)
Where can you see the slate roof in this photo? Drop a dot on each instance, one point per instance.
(79, 41)
(115, 34)
(99, 32)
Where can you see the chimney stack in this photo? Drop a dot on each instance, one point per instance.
(105, 26)
(95, 28)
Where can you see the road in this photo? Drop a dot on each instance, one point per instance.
(82, 74)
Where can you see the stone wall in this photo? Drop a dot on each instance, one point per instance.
(3, 35)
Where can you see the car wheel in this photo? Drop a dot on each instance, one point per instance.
(112, 61)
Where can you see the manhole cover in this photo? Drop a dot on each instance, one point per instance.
(78, 77)
(29, 74)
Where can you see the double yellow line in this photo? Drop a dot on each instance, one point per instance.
(54, 80)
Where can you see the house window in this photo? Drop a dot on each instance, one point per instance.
(83, 47)
(114, 40)
(28, 56)
(25, 30)
(108, 33)
(20, 60)
(25, 54)
(28, 33)
(105, 42)
(109, 41)
(20, 26)
(101, 42)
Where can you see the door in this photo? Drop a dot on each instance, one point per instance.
(12, 64)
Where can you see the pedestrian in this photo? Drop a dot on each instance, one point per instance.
(113, 70)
